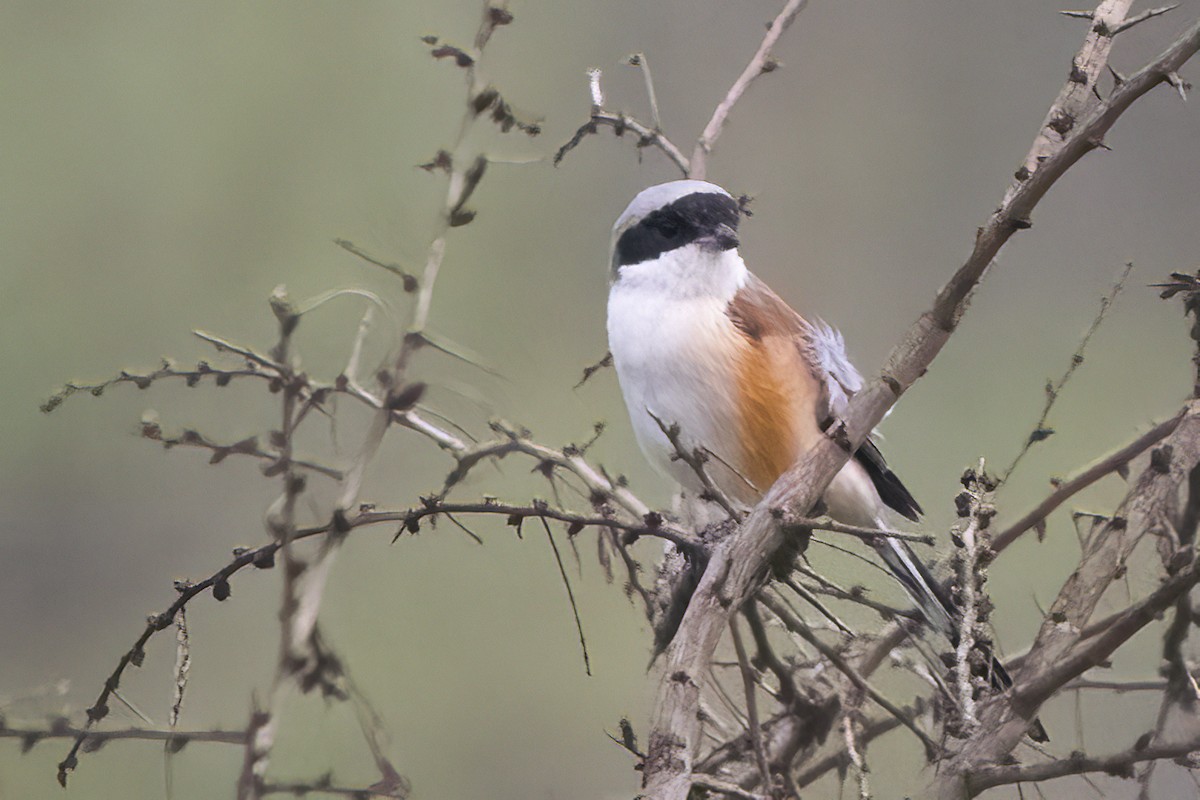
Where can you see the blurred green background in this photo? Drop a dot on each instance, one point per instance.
(164, 165)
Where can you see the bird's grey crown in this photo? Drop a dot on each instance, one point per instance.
(672, 215)
(656, 197)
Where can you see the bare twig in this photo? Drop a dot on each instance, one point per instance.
(855, 594)
(853, 750)
(517, 441)
(696, 459)
(1067, 489)
(840, 757)
(251, 355)
(562, 571)
(1053, 389)
(274, 460)
(592, 369)
(1120, 687)
(621, 122)
(167, 370)
(748, 687)
(409, 280)
(1060, 653)
(183, 665)
(93, 738)
(515, 514)
(760, 63)
(324, 785)
(1149, 13)
(811, 599)
(1032, 690)
(766, 655)
(826, 523)
(639, 60)
(1078, 93)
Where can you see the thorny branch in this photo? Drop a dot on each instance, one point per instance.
(1065, 490)
(305, 660)
(772, 752)
(1059, 652)
(93, 739)
(735, 569)
(652, 135)
(304, 582)
(970, 586)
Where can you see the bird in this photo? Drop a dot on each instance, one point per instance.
(706, 353)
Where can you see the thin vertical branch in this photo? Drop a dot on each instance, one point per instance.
(760, 63)
(748, 686)
(562, 571)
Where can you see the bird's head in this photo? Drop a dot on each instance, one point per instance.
(685, 228)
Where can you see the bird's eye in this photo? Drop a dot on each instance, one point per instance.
(669, 230)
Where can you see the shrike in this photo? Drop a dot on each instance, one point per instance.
(702, 344)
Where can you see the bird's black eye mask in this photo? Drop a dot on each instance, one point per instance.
(699, 215)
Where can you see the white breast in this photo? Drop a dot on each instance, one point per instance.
(673, 348)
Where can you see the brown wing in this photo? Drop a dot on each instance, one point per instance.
(778, 391)
(774, 331)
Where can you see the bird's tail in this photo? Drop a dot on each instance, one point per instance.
(939, 610)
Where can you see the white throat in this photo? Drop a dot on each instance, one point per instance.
(689, 272)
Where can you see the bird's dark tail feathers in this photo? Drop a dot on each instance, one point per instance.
(939, 610)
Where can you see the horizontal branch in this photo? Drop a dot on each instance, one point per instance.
(652, 526)
(1120, 687)
(166, 370)
(725, 788)
(275, 460)
(1118, 764)
(93, 738)
(825, 523)
(620, 122)
(517, 441)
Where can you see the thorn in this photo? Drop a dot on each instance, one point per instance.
(1145, 15)
(1117, 77)
(1077, 14)
(1181, 86)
